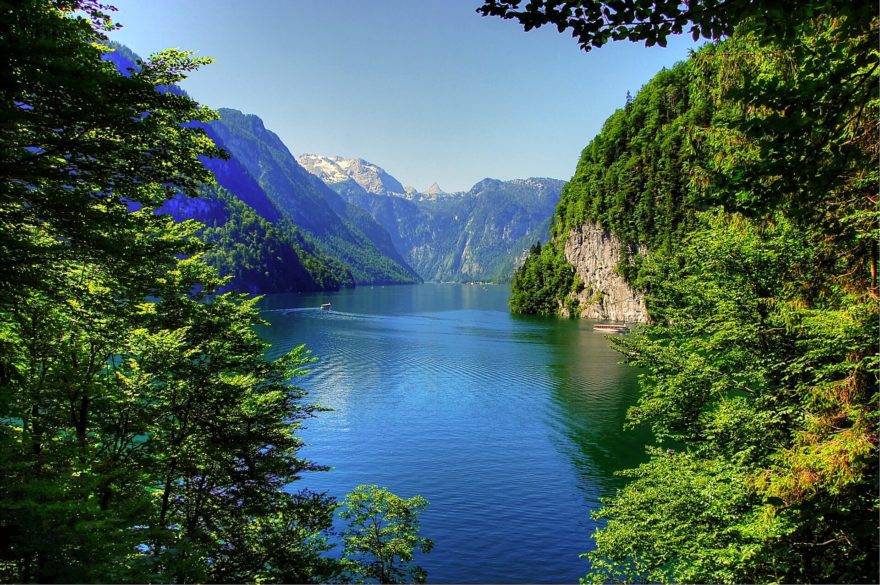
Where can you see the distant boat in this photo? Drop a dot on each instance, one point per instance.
(325, 307)
(612, 328)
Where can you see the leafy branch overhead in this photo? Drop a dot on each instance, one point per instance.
(595, 23)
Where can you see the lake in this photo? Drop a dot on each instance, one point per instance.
(511, 427)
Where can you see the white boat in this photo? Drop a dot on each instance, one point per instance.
(325, 306)
(612, 328)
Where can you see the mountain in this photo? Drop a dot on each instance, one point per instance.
(337, 170)
(253, 242)
(434, 191)
(259, 255)
(481, 233)
(316, 239)
(339, 229)
(470, 236)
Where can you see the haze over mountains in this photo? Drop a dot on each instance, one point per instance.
(336, 222)
(471, 236)
(279, 224)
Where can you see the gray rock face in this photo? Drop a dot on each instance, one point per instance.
(595, 253)
(434, 191)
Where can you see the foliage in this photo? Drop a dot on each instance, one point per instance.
(695, 134)
(229, 449)
(383, 534)
(541, 284)
(740, 370)
(143, 436)
(595, 22)
(262, 256)
(681, 519)
(635, 177)
(639, 178)
(750, 171)
(66, 113)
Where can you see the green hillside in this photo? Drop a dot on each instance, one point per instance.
(636, 178)
(749, 172)
(262, 256)
(338, 229)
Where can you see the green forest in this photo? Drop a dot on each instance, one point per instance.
(261, 256)
(144, 437)
(750, 173)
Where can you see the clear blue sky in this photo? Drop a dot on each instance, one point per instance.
(427, 89)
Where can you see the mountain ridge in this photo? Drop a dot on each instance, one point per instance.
(341, 230)
(274, 226)
(470, 235)
(347, 221)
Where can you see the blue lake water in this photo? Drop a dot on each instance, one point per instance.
(511, 427)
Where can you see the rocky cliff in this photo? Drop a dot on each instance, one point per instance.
(595, 253)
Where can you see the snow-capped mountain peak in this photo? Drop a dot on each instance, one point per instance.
(336, 169)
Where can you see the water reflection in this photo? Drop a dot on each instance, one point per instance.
(591, 399)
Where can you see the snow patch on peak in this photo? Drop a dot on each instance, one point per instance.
(325, 168)
(336, 169)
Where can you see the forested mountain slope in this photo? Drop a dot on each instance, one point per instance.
(365, 227)
(742, 188)
(639, 181)
(259, 255)
(301, 236)
(339, 229)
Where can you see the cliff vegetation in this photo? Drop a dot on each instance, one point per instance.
(750, 173)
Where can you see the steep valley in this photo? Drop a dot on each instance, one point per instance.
(278, 224)
(476, 235)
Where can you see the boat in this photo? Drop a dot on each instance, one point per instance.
(325, 306)
(612, 328)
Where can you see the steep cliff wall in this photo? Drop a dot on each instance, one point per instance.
(595, 253)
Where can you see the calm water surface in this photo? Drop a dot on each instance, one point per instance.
(510, 427)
